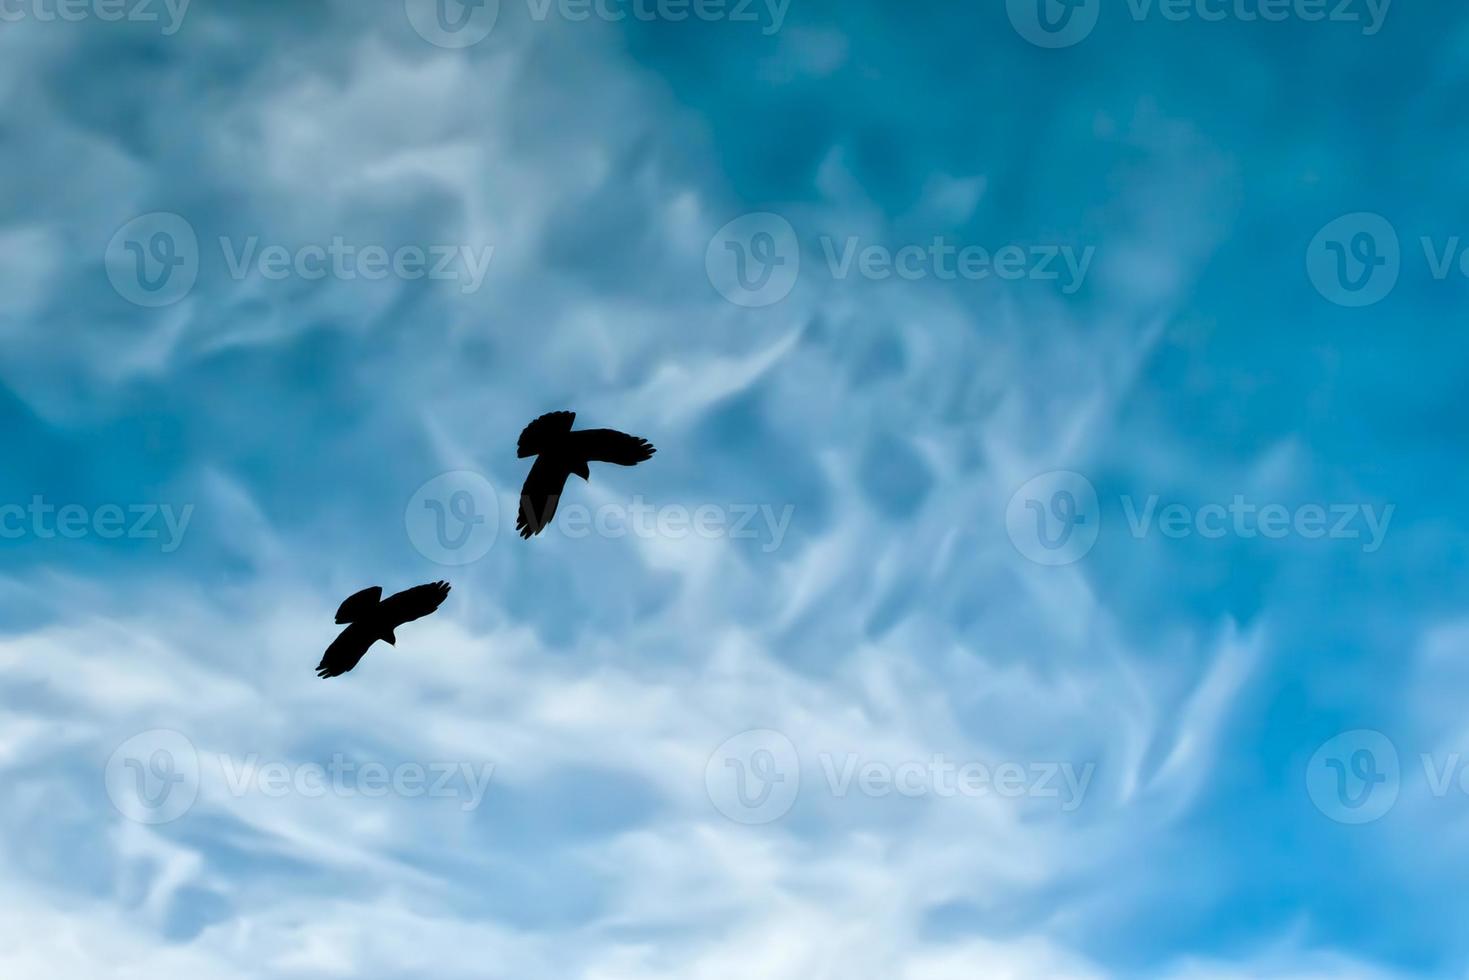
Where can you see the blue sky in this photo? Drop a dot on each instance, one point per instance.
(1049, 567)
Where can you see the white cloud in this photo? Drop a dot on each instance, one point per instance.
(982, 657)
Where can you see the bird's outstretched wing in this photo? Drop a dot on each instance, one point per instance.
(611, 446)
(540, 495)
(345, 651)
(414, 603)
(543, 432)
(359, 605)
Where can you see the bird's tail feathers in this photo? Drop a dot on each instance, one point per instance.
(542, 432)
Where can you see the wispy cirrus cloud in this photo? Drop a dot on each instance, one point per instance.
(908, 656)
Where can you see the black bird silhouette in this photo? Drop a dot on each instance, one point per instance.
(370, 617)
(559, 453)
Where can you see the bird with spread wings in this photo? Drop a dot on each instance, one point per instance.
(369, 618)
(559, 453)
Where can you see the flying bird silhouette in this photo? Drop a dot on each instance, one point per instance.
(559, 452)
(369, 618)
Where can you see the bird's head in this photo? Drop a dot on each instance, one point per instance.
(582, 470)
